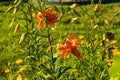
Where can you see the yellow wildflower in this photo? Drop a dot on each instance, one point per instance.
(115, 52)
(118, 74)
(113, 41)
(95, 42)
(18, 61)
(6, 71)
(76, 74)
(9, 64)
(19, 77)
(81, 37)
(110, 62)
(88, 44)
(82, 42)
(48, 75)
(107, 40)
(22, 68)
(101, 44)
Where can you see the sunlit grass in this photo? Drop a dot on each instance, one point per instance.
(10, 50)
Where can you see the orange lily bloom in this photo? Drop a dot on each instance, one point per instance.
(70, 46)
(41, 22)
(51, 18)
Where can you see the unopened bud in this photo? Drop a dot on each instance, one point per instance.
(15, 10)
(22, 38)
(73, 5)
(74, 19)
(96, 27)
(106, 21)
(16, 28)
(96, 8)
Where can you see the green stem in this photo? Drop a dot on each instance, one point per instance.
(86, 12)
(49, 40)
(51, 50)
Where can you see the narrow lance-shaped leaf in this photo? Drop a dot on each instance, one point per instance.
(61, 73)
(47, 69)
(18, 4)
(10, 8)
(15, 1)
(76, 12)
(56, 9)
(12, 22)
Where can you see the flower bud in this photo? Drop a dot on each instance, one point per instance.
(74, 19)
(22, 39)
(6, 71)
(96, 27)
(16, 28)
(96, 8)
(73, 5)
(19, 77)
(106, 21)
(15, 10)
(18, 61)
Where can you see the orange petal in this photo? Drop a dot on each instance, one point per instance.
(48, 11)
(34, 16)
(76, 53)
(74, 40)
(39, 16)
(51, 18)
(40, 25)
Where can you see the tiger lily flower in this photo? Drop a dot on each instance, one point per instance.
(70, 46)
(41, 22)
(50, 18)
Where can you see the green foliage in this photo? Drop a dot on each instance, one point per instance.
(114, 70)
(37, 48)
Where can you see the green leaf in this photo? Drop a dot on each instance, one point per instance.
(63, 71)
(76, 12)
(56, 9)
(115, 69)
(114, 78)
(47, 69)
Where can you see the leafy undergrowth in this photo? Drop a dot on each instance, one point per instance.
(97, 31)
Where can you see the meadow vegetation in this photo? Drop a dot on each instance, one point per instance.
(91, 33)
